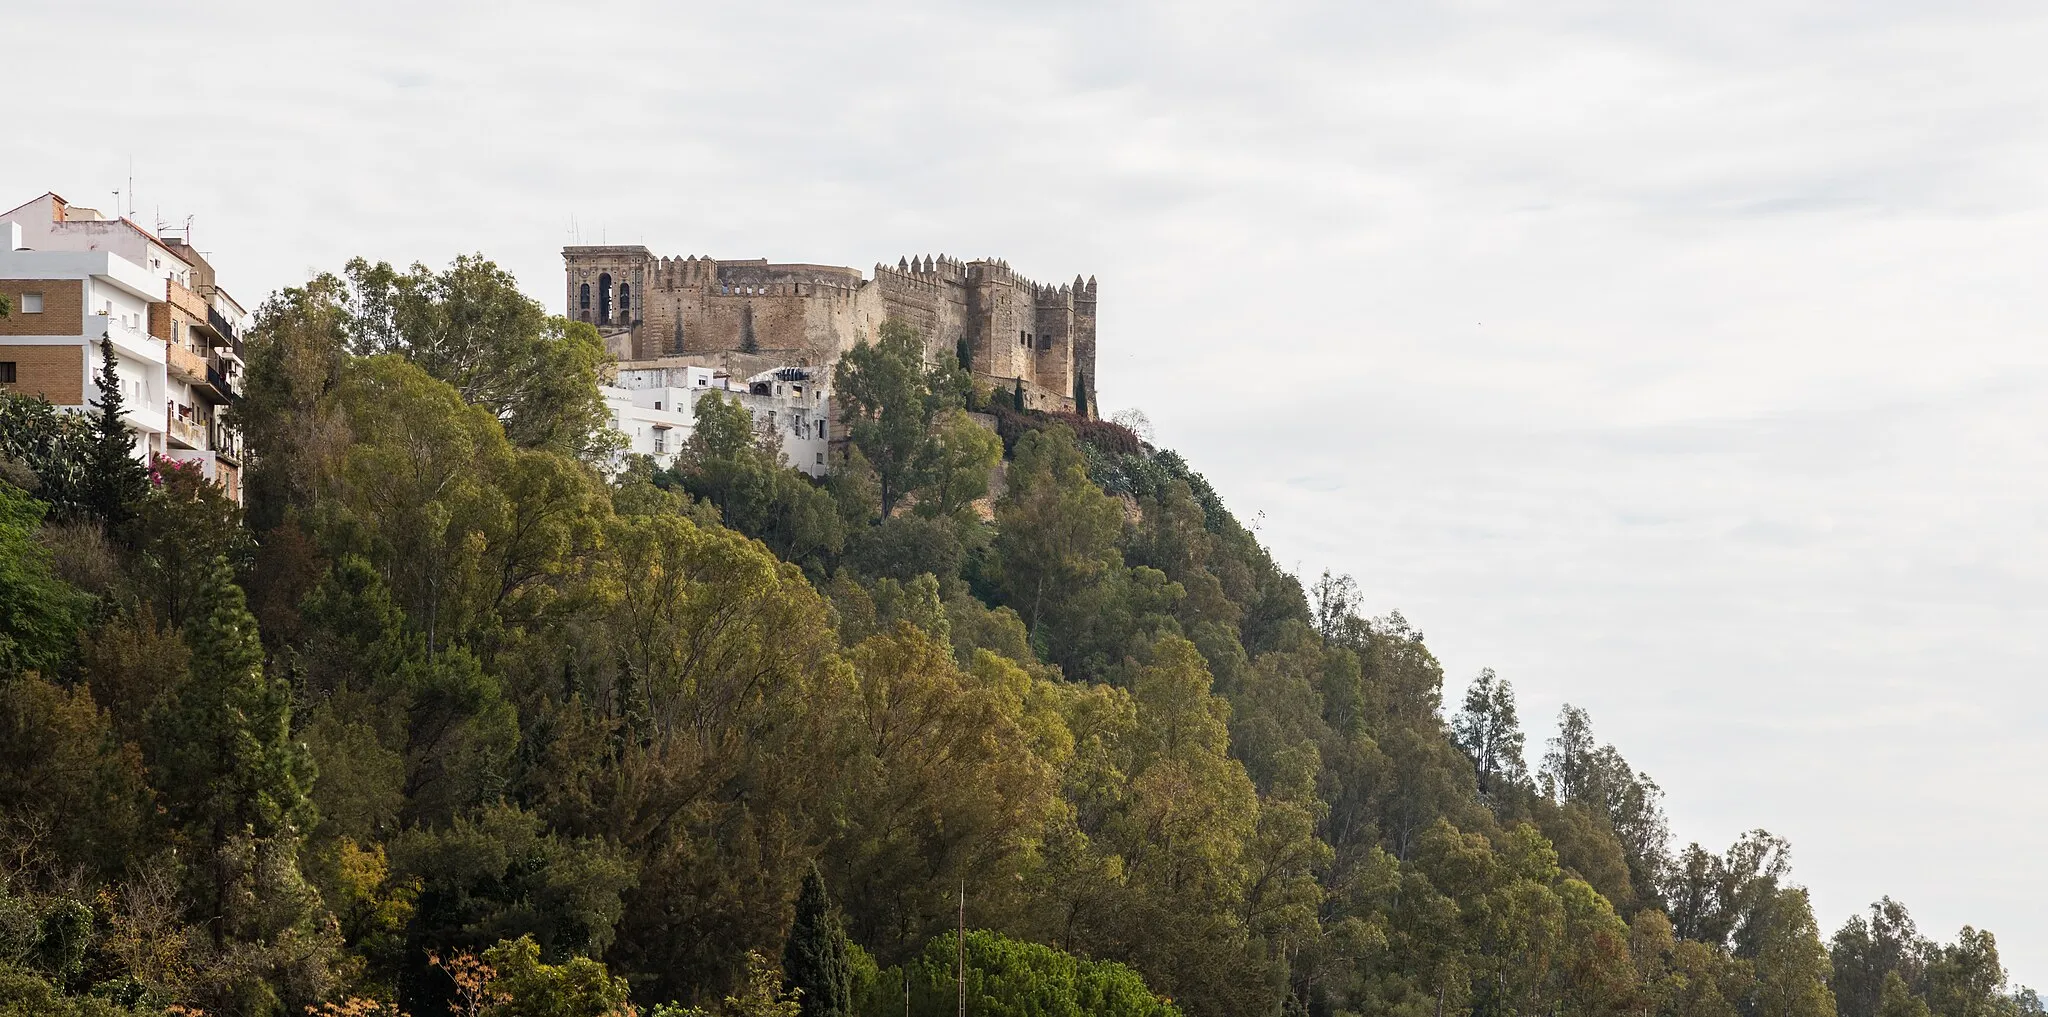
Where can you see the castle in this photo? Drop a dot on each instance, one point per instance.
(1013, 334)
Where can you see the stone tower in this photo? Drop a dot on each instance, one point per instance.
(1014, 332)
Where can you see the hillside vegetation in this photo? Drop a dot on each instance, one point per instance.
(450, 719)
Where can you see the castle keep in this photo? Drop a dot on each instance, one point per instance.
(1015, 333)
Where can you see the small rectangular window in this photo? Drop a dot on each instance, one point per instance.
(6, 372)
(31, 303)
(821, 455)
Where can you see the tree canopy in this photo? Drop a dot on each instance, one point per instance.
(452, 715)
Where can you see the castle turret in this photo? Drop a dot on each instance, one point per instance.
(1010, 331)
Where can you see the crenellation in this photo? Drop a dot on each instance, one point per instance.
(1012, 329)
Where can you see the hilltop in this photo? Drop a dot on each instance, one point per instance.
(466, 708)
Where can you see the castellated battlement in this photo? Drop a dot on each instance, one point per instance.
(1013, 333)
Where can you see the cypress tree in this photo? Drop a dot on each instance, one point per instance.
(114, 481)
(1018, 394)
(815, 957)
(1080, 397)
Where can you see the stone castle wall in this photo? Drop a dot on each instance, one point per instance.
(1014, 330)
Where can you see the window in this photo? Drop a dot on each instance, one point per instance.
(604, 298)
(6, 372)
(821, 459)
(583, 299)
(625, 298)
(31, 303)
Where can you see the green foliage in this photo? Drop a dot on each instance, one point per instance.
(39, 613)
(1489, 732)
(111, 479)
(1056, 541)
(907, 546)
(605, 726)
(181, 525)
(24, 993)
(66, 775)
(1600, 782)
(1008, 978)
(526, 987)
(469, 325)
(889, 399)
(759, 994)
(958, 458)
(502, 875)
(223, 751)
(44, 452)
(814, 959)
(235, 785)
(724, 464)
(1792, 966)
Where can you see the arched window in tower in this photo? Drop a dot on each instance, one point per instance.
(604, 298)
(626, 301)
(583, 302)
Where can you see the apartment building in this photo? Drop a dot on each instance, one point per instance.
(75, 275)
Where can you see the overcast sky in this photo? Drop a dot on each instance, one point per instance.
(1683, 362)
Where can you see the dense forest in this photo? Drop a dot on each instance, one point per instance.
(454, 716)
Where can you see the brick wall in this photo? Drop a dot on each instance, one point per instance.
(63, 307)
(56, 373)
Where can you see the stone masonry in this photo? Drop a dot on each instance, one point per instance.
(1015, 333)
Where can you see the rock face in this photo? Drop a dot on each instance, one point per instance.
(1006, 328)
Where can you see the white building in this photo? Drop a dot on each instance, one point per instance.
(654, 405)
(74, 275)
(64, 302)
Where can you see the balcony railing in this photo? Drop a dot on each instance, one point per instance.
(219, 381)
(226, 442)
(191, 434)
(185, 363)
(226, 329)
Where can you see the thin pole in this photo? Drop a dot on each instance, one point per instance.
(960, 941)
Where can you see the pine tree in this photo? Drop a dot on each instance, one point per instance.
(815, 960)
(224, 756)
(114, 481)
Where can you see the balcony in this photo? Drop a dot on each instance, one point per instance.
(186, 364)
(226, 330)
(191, 303)
(225, 388)
(226, 443)
(187, 433)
